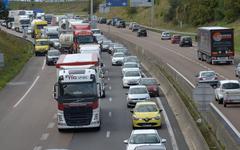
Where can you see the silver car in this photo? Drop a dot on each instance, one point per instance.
(129, 65)
(207, 77)
(131, 77)
(165, 36)
(117, 58)
(136, 94)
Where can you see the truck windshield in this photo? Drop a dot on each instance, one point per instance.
(53, 36)
(78, 90)
(41, 26)
(85, 39)
(40, 43)
(25, 21)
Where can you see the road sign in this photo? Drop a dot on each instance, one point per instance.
(117, 3)
(141, 3)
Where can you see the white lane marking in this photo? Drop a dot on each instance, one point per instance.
(225, 119)
(108, 134)
(169, 127)
(21, 99)
(55, 116)
(110, 114)
(110, 99)
(43, 65)
(37, 148)
(182, 76)
(50, 125)
(44, 136)
(110, 88)
(108, 79)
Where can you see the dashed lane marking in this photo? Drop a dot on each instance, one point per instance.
(43, 65)
(108, 134)
(44, 136)
(22, 98)
(51, 125)
(110, 99)
(110, 114)
(37, 148)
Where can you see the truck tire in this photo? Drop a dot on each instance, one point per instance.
(61, 130)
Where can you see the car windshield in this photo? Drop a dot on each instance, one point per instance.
(53, 53)
(53, 36)
(118, 55)
(166, 34)
(144, 139)
(131, 59)
(146, 108)
(85, 39)
(25, 21)
(132, 74)
(207, 74)
(148, 82)
(187, 39)
(138, 90)
(78, 90)
(96, 31)
(231, 86)
(41, 43)
(130, 66)
(41, 26)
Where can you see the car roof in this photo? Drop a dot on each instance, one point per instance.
(118, 53)
(131, 69)
(228, 81)
(130, 63)
(150, 147)
(207, 71)
(137, 86)
(146, 103)
(144, 131)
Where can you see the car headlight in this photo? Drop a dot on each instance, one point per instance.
(157, 118)
(135, 118)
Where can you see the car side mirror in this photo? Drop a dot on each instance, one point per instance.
(125, 141)
(163, 140)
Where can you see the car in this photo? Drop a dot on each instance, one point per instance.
(117, 58)
(96, 32)
(129, 65)
(122, 50)
(237, 70)
(137, 93)
(131, 77)
(175, 39)
(135, 27)
(131, 59)
(109, 22)
(142, 32)
(185, 41)
(52, 56)
(103, 21)
(143, 137)
(165, 36)
(131, 24)
(150, 147)
(114, 21)
(152, 86)
(146, 114)
(209, 77)
(114, 46)
(227, 91)
(105, 45)
(121, 24)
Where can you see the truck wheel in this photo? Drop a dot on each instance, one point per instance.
(225, 104)
(61, 130)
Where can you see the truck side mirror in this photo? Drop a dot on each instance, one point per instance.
(55, 91)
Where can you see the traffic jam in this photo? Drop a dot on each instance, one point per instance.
(75, 47)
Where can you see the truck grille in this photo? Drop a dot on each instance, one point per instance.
(78, 116)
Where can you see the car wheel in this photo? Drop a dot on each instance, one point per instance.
(225, 105)
(220, 101)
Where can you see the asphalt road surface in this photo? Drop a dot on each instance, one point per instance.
(183, 59)
(28, 114)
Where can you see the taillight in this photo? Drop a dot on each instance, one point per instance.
(60, 106)
(94, 104)
(200, 78)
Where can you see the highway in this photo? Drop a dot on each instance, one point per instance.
(182, 59)
(28, 114)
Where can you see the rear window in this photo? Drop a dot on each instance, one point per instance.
(231, 86)
(148, 82)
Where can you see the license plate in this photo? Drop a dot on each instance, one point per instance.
(222, 58)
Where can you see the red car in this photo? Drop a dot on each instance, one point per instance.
(175, 39)
(152, 86)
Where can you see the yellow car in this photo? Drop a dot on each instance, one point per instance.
(146, 114)
(41, 46)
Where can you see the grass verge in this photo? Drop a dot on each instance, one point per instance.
(16, 53)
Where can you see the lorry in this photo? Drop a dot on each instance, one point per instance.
(21, 22)
(52, 34)
(10, 18)
(215, 45)
(86, 61)
(228, 92)
(37, 26)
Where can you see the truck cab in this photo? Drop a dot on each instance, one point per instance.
(37, 27)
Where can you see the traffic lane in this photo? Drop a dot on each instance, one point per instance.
(16, 88)
(116, 117)
(189, 53)
(25, 125)
(184, 65)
